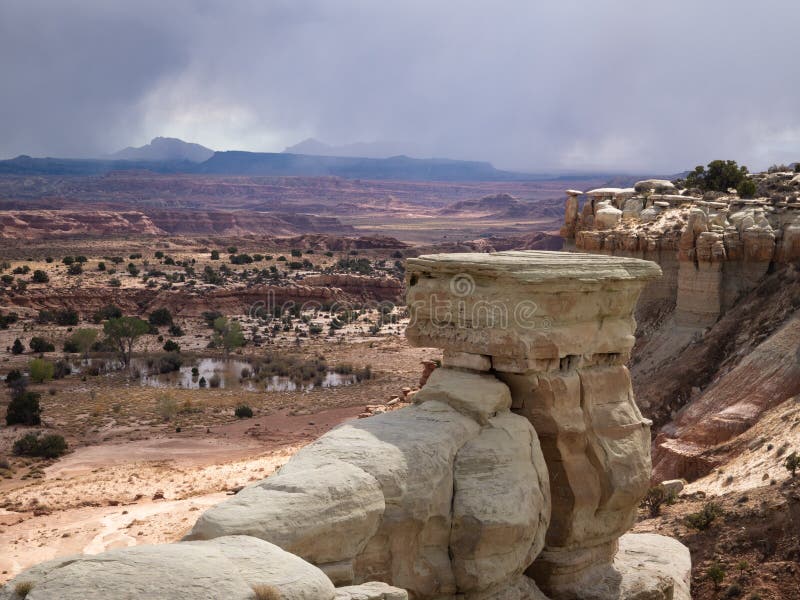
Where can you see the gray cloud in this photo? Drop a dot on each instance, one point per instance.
(612, 84)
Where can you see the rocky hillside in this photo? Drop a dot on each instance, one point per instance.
(718, 345)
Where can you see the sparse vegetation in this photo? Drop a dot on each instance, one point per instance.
(656, 497)
(47, 446)
(720, 176)
(243, 412)
(716, 574)
(24, 408)
(23, 588)
(702, 519)
(41, 370)
(266, 592)
(792, 463)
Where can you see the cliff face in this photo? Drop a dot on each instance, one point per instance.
(34, 224)
(718, 343)
(320, 290)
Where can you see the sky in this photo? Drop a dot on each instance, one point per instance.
(530, 85)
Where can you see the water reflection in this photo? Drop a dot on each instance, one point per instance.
(210, 373)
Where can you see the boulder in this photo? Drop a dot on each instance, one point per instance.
(476, 395)
(449, 496)
(226, 567)
(607, 216)
(659, 186)
(373, 590)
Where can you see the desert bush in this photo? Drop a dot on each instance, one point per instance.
(107, 312)
(241, 259)
(215, 255)
(214, 381)
(17, 347)
(13, 376)
(41, 370)
(364, 374)
(75, 269)
(702, 519)
(23, 588)
(656, 497)
(792, 463)
(734, 591)
(175, 330)
(202, 382)
(40, 276)
(39, 344)
(160, 317)
(24, 408)
(66, 317)
(51, 445)
(9, 319)
(172, 346)
(266, 592)
(61, 369)
(716, 573)
(166, 406)
(243, 412)
(169, 363)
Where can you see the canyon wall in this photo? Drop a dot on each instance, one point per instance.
(711, 252)
(719, 347)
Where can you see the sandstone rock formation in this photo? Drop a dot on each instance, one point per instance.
(227, 567)
(557, 328)
(450, 498)
(711, 252)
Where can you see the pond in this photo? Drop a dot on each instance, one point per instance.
(211, 373)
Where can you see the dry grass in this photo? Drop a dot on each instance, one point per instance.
(23, 588)
(266, 592)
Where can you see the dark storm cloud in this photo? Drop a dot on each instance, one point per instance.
(528, 85)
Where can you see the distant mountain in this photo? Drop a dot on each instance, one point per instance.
(26, 165)
(163, 148)
(396, 167)
(276, 164)
(314, 147)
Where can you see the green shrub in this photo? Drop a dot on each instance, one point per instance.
(41, 370)
(243, 412)
(48, 446)
(39, 344)
(160, 317)
(792, 463)
(24, 408)
(17, 347)
(716, 573)
(702, 519)
(107, 312)
(40, 276)
(172, 346)
(720, 176)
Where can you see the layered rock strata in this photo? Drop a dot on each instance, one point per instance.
(557, 328)
(711, 252)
